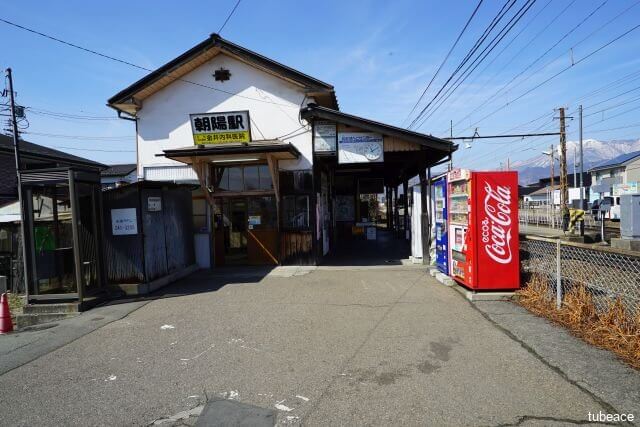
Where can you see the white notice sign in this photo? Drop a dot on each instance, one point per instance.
(360, 147)
(154, 204)
(324, 136)
(124, 222)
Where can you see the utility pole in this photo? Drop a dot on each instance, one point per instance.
(582, 195)
(575, 178)
(16, 150)
(564, 193)
(552, 162)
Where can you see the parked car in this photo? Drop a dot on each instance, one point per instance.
(609, 206)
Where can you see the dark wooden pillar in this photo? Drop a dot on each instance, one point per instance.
(424, 217)
(405, 217)
(396, 218)
(389, 209)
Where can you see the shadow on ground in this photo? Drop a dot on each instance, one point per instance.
(387, 249)
(202, 281)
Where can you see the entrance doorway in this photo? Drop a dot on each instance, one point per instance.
(246, 230)
(235, 230)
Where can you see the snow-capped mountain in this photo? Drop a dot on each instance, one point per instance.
(531, 170)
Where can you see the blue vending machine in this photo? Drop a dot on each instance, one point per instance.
(440, 216)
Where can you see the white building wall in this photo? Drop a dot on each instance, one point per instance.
(273, 105)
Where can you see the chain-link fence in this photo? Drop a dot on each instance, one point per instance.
(606, 273)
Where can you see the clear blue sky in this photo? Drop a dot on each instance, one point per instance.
(379, 55)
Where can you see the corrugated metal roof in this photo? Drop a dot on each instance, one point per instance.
(45, 153)
(119, 170)
(616, 161)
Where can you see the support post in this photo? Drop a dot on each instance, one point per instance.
(424, 217)
(582, 195)
(558, 276)
(389, 209)
(551, 204)
(564, 192)
(396, 216)
(16, 151)
(405, 216)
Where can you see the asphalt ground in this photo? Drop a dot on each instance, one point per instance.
(331, 346)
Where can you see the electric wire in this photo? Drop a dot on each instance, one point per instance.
(502, 89)
(229, 17)
(130, 63)
(505, 9)
(497, 56)
(581, 60)
(462, 78)
(466, 25)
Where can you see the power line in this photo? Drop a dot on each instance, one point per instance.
(499, 54)
(69, 117)
(94, 138)
(480, 59)
(132, 64)
(522, 135)
(589, 55)
(528, 67)
(122, 61)
(469, 54)
(93, 149)
(444, 60)
(229, 17)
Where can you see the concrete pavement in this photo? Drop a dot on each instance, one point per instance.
(321, 346)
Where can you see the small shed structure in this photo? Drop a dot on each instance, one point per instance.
(148, 235)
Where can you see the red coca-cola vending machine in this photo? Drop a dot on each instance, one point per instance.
(483, 229)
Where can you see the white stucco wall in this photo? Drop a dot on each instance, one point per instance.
(273, 106)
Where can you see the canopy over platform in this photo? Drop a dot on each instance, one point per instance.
(237, 152)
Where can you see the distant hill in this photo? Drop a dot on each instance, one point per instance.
(531, 170)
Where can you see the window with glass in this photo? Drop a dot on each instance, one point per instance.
(262, 213)
(53, 239)
(295, 211)
(296, 182)
(243, 178)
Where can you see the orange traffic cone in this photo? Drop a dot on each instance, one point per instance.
(6, 325)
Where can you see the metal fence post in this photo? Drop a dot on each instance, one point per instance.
(558, 277)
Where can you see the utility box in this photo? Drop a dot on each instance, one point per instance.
(630, 216)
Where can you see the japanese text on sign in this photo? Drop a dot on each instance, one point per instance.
(221, 128)
(124, 221)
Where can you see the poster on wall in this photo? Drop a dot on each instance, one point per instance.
(324, 136)
(345, 208)
(221, 128)
(360, 147)
(124, 222)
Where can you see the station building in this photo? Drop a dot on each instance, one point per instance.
(279, 170)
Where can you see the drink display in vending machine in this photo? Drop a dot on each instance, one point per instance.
(483, 229)
(440, 216)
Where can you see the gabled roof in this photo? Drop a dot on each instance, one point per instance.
(39, 152)
(129, 100)
(119, 170)
(313, 111)
(618, 161)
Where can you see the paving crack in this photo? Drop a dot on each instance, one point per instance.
(605, 405)
(521, 419)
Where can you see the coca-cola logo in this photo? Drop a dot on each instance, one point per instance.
(496, 226)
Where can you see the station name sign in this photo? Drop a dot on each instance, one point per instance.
(221, 128)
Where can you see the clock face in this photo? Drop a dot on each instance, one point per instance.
(372, 151)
